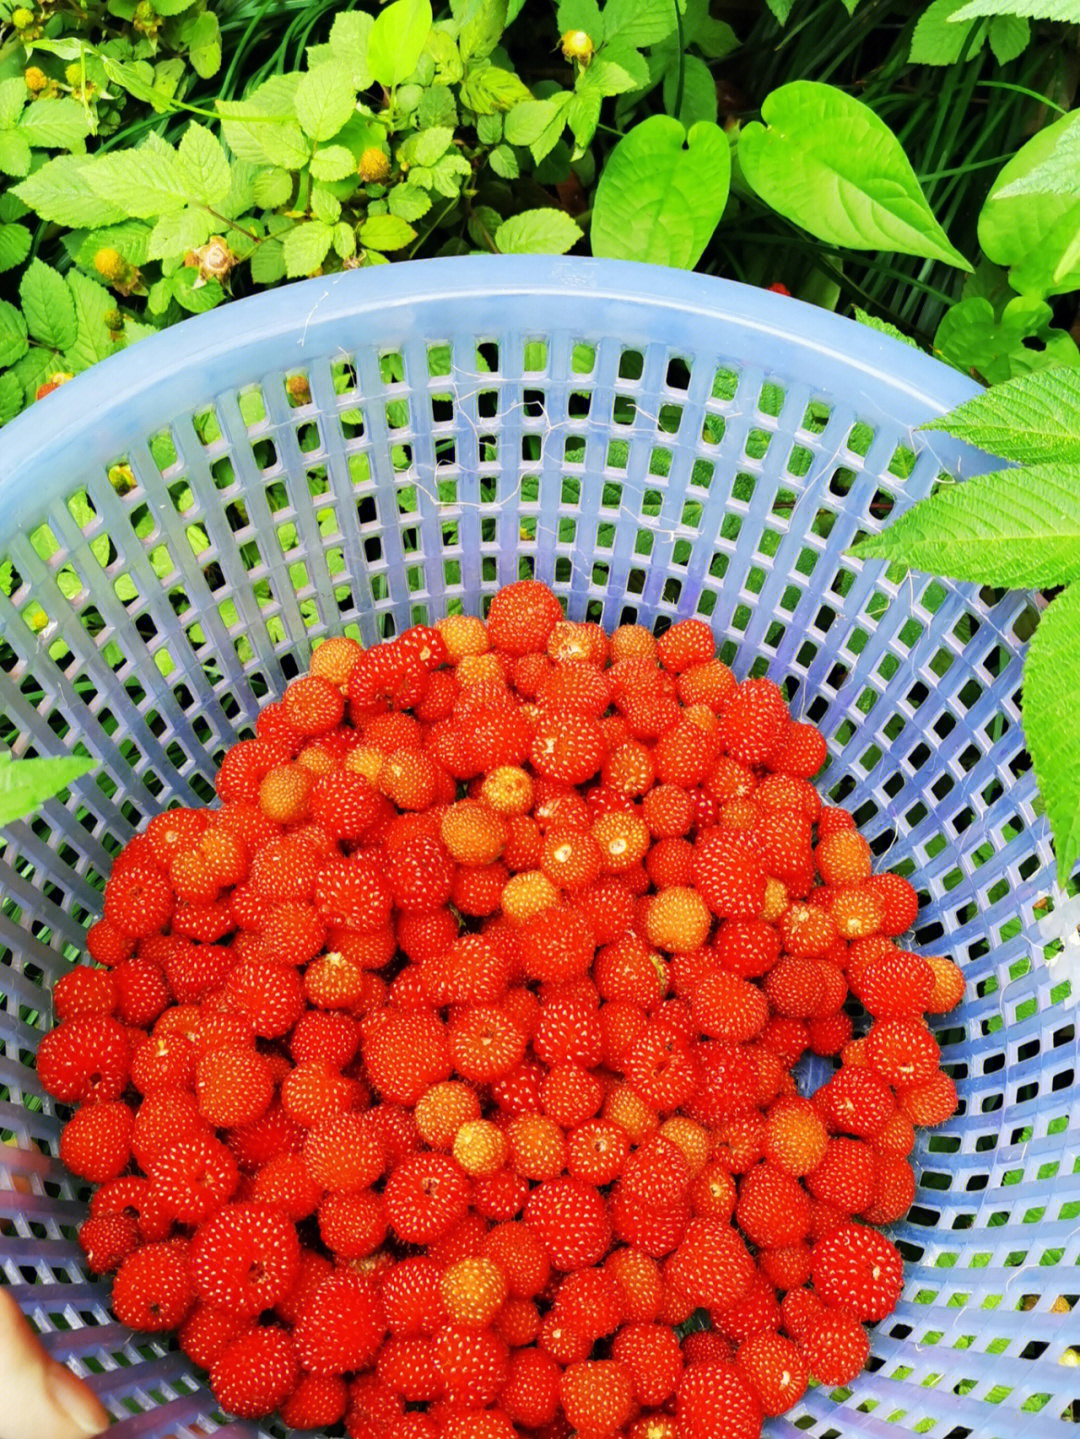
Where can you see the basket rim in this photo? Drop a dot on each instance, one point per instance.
(94, 410)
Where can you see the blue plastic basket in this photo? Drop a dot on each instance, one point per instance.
(653, 444)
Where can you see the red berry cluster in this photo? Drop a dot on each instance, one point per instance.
(443, 1072)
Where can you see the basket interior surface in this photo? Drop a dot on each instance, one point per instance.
(364, 451)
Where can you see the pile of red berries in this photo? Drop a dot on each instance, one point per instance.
(438, 1077)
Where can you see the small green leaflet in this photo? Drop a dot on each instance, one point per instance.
(147, 181)
(14, 245)
(325, 100)
(92, 304)
(350, 35)
(482, 28)
(781, 9)
(537, 232)
(699, 98)
(332, 162)
(662, 193)
(204, 45)
(883, 327)
(1010, 36)
(60, 124)
(11, 402)
(430, 145)
(60, 191)
(824, 160)
(48, 307)
(1033, 231)
(1058, 174)
(179, 232)
(396, 40)
(386, 232)
(13, 97)
(1033, 419)
(639, 22)
(1011, 528)
(936, 41)
(13, 343)
(263, 128)
(268, 263)
(581, 15)
(202, 166)
(305, 247)
(14, 153)
(25, 784)
(274, 187)
(1064, 10)
(490, 90)
(1051, 677)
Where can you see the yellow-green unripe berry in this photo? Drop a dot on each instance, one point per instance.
(374, 165)
(577, 45)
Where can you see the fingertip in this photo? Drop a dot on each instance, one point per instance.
(77, 1401)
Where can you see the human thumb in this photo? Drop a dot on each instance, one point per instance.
(41, 1398)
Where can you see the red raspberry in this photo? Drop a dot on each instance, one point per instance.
(85, 991)
(106, 944)
(713, 1399)
(107, 1240)
(352, 1225)
(897, 1135)
(407, 1366)
(96, 1141)
(522, 616)
(930, 1102)
(254, 1374)
(786, 1268)
(754, 721)
(531, 1394)
(284, 1183)
(729, 1008)
(313, 1091)
(758, 1313)
(193, 1179)
(775, 1370)
(898, 900)
(138, 900)
(313, 705)
(412, 1297)
(802, 753)
(686, 643)
(653, 1356)
(285, 870)
(390, 676)
(845, 1177)
(164, 1118)
(318, 1401)
(474, 1364)
(712, 1193)
(343, 1153)
(597, 1395)
(374, 1408)
(153, 1289)
(657, 1173)
(570, 1220)
(575, 685)
(86, 1057)
(747, 947)
(708, 682)
(425, 1195)
(404, 1055)
(835, 1347)
(207, 1332)
(712, 1265)
(894, 1189)
(728, 875)
(271, 996)
(421, 875)
(795, 1136)
(773, 1208)
(234, 1086)
(901, 1051)
(484, 1044)
(245, 1258)
(856, 1101)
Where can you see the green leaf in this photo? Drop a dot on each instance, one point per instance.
(332, 162)
(1064, 10)
(14, 152)
(60, 124)
(196, 298)
(1051, 677)
(274, 187)
(172, 7)
(538, 232)
(581, 15)
(781, 9)
(268, 263)
(325, 206)
(662, 193)
(386, 232)
(204, 45)
(489, 90)
(92, 303)
(1011, 528)
(640, 22)
(60, 191)
(883, 327)
(431, 144)
(1058, 174)
(25, 784)
(13, 98)
(938, 42)
(437, 107)
(202, 166)
(971, 337)
(305, 247)
(409, 202)
(12, 401)
(713, 38)
(699, 101)
(350, 35)
(262, 128)
(147, 182)
(397, 39)
(344, 240)
(11, 207)
(325, 99)
(47, 306)
(13, 344)
(828, 163)
(1031, 216)
(31, 370)
(527, 121)
(1033, 419)
(504, 162)
(1010, 36)
(449, 174)
(14, 245)
(129, 237)
(616, 71)
(482, 30)
(583, 116)
(175, 234)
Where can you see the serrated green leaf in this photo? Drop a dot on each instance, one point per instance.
(1058, 174)
(826, 161)
(349, 38)
(60, 124)
(433, 143)
(662, 193)
(527, 121)
(14, 153)
(441, 47)
(582, 15)
(11, 207)
(172, 7)
(482, 29)
(60, 191)
(130, 238)
(713, 38)
(1064, 10)
(305, 247)
(699, 99)
(274, 187)
(344, 240)
(13, 343)
(263, 129)
(1051, 677)
(268, 263)
(1033, 419)
(504, 162)
(397, 39)
(408, 202)
(11, 402)
(583, 116)
(175, 234)
(884, 328)
(92, 302)
(1031, 216)
(147, 182)
(13, 98)
(202, 166)
(332, 162)
(640, 22)
(490, 90)
(449, 173)
(25, 784)
(324, 205)
(1011, 528)
(936, 41)
(437, 107)
(615, 71)
(14, 245)
(538, 232)
(204, 45)
(781, 9)
(31, 370)
(1010, 36)
(386, 233)
(47, 306)
(325, 100)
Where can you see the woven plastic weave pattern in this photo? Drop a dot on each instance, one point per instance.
(366, 451)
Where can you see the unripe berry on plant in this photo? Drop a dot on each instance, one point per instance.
(36, 79)
(374, 165)
(577, 45)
